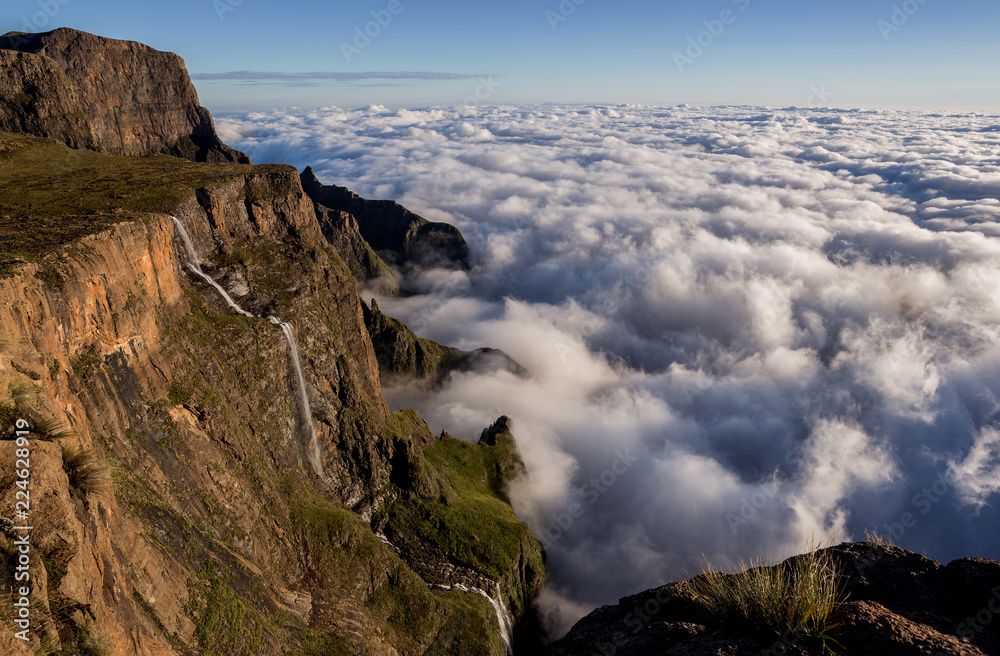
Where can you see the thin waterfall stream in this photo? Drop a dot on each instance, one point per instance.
(504, 620)
(302, 394)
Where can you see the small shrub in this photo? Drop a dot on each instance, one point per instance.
(795, 598)
(43, 428)
(26, 407)
(24, 99)
(87, 472)
(179, 393)
(86, 363)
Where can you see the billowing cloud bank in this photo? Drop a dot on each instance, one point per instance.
(749, 330)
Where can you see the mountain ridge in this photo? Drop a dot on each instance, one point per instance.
(118, 97)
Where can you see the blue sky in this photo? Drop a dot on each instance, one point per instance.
(928, 54)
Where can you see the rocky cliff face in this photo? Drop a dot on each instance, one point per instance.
(895, 603)
(404, 357)
(401, 237)
(118, 97)
(181, 503)
(215, 535)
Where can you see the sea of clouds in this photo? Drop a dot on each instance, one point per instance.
(748, 330)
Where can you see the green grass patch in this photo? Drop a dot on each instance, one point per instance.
(315, 643)
(475, 527)
(226, 624)
(51, 194)
(349, 558)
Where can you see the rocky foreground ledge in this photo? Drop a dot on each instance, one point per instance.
(895, 603)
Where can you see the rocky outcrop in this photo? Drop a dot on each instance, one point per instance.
(342, 231)
(118, 97)
(36, 97)
(500, 561)
(398, 235)
(896, 603)
(404, 357)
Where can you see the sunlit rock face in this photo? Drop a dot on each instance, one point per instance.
(119, 97)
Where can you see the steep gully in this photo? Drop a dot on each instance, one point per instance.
(504, 620)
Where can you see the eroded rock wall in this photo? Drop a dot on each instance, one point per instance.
(212, 533)
(118, 97)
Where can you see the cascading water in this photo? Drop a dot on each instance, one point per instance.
(304, 406)
(504, 620)
(191, 259)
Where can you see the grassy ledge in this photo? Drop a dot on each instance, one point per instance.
(51, 194)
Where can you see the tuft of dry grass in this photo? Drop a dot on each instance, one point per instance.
(26, 406)
(876, 537)
(796, 598)
(87, 472)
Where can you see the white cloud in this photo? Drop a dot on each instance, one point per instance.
(788, 319)
(977, 477)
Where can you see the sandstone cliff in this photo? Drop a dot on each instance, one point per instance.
(404, 357)
(343, 232)
(214, 534)
(214, 469)
(118, 97)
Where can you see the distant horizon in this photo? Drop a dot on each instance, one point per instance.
(887, 54)
(927, 111)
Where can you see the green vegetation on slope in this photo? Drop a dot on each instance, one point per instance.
(472, 525)
(51, 194)
(222, 455)
(392, 603)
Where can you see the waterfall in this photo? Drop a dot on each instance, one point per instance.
(302, 393)
(191, 259)
(504, 620)
(304, 406)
